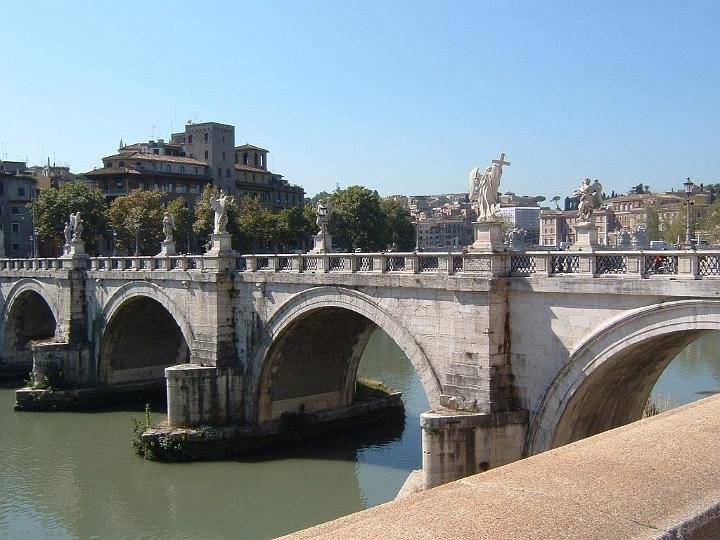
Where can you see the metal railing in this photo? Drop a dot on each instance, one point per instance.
(644, 264)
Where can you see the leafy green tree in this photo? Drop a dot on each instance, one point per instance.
(137, 220)
(184, 217)
(399, 228)
(258, 227)
(652, 224)
(710, 225)
(556, 200)
(53, 207)
(357, 219)
(322, 196)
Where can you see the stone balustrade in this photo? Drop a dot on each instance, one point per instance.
(686, 264)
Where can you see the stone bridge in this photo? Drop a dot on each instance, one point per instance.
(518, 352)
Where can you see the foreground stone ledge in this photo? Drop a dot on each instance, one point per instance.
(656, 478)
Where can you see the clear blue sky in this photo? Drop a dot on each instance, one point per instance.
(403, 97)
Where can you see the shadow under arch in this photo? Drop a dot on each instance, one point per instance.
(140, 332)
(28, 315)
(311, 348)
(609, 376)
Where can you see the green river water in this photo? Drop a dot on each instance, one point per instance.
(74, 475)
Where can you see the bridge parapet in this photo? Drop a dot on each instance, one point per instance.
(644, 264)
(35, 264)
(448, 263)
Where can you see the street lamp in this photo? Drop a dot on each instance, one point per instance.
(689, 243)
(35, 242)
(114, 235)
(137, 236)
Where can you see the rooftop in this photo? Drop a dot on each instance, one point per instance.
(144, 156)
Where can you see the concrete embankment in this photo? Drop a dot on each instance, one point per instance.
(656, 478)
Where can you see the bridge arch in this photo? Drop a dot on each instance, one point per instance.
(609, 376)
(303, 328)
(139, 333)
(29, 314)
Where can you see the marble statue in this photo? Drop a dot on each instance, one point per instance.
(585, 207)
(483, 188)
(219, 205)
(590, 197)
(168, 224)
(623, 239)
(77, 225)
(67, 231)
(323, 215)
(596, 190)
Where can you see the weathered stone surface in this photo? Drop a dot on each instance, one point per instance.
(656, 478)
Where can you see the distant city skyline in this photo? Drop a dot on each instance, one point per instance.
(401, 97)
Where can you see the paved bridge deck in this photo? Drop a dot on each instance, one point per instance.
(656, 478)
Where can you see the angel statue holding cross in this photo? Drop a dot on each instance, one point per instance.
(483, 188)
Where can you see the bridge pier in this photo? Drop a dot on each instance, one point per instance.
(203, 395)
(458, 444)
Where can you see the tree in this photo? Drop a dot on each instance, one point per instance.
(556, 200)
(652, 224)
(357, 220)
(322, 196)
(137, 220)
(183, 217)
(399, 228)
(53, 207)
(639, 189)
(711, 224)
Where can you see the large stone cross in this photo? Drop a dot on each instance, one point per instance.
(500, 162)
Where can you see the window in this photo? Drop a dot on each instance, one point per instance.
(154, 166)
(168, 168)
(21, 192)
(223, 156)
(257, 160)
(196, 170)
(182, 168)
(169, 188)
(138, 165)
(15, 210)
(121, 164)
(2, 189)
(189, 139)
(263, 196)
(15, 228)
(156, 150)
(227, 173)
(245, 158)
(207, 137)
(108, 165)
(219, 172)
(236, 159)
(206, 154)
(262, 160)
(16, 247)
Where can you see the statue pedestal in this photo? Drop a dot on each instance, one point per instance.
(221, 243)
(586, 237)
(76, 248)
(167, 248)
(323, 243)
(488, 236)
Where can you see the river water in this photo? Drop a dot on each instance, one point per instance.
(74, 475)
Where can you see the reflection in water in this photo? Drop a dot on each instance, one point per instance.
(693, 374)
(66, 475)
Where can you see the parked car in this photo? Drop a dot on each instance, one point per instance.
(658, 244)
